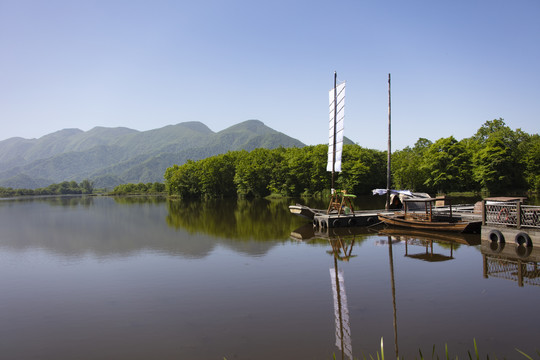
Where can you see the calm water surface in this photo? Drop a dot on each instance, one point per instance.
(132, 278)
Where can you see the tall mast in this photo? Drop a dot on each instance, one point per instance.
(335, 131)
(388, 172)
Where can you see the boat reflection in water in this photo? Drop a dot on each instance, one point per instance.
(426, 239)
(342, 241)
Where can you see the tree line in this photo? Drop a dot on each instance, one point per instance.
(497, 160)
(63, 188)
(139, 189)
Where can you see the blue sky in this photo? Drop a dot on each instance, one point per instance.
(147, 64)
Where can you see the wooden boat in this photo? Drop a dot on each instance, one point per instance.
(430, 219)
(304, 211)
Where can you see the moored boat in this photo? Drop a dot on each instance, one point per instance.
(430, 220)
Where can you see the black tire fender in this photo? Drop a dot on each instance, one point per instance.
(523, 239)
(496, 236)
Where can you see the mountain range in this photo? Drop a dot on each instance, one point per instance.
(113, 156)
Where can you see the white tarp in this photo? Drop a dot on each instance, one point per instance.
(384, 191)
(340, 114)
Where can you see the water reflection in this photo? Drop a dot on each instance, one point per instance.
(511, 262)
(342, 241)
(242, 219)
(73, 226)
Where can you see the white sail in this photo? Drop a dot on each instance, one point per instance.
(339, 113)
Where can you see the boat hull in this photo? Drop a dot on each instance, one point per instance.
(457, 226)
(304, 211)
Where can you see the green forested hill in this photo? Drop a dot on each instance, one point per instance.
(496, 160)
(111, 156)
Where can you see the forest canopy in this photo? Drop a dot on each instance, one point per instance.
(496, 159)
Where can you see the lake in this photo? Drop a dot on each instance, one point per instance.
(151, 278)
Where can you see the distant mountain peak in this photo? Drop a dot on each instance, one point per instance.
(253, 126)
(111, 156)
(195, 126)
(63, 133)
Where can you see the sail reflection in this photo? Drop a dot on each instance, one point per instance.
(342, 242)
(341, 251)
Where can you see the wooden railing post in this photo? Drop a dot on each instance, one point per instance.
(518, 220)
(484, 212)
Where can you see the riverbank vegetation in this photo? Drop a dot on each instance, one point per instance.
(496, 160)
(155, 188)
(474, 354)
(63, 188)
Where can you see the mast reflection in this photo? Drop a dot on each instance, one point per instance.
(424, 239)
(342, 241)
(392, 281)
(341, 251)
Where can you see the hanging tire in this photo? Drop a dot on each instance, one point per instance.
(336, 223)
(523, 239)
(351, 222)
(496, 236)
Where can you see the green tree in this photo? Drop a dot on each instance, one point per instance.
(407, 170)
(217, 176)
(448, 165)
(531, 161)
(493, 166)
(87, 186)
(494, 139)
(362, 170)
(254, 172)
(184, 180)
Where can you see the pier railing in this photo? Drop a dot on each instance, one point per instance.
(511, 214)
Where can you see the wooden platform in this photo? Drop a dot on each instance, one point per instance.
(364, 218)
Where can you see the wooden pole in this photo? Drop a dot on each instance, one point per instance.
(335, 132)
(388, 172)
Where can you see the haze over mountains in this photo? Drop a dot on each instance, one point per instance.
(113, 156)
